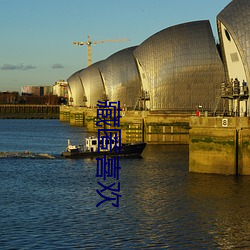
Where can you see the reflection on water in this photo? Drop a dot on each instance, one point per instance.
(175, 208)
(224, 201)
(51, 204)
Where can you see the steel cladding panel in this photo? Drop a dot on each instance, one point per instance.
(236, 18)
(76, 89)
(121, 77)
(92, 84)
(182, 66)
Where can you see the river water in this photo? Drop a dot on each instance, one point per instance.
(50, 202)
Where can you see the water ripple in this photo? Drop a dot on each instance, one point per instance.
(51, 204)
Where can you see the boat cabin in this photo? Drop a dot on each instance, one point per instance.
(105, 144)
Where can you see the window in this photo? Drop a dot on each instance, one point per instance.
(227, 35)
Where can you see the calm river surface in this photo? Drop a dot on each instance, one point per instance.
(51, 203)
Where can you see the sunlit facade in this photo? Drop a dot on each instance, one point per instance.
(234, 33)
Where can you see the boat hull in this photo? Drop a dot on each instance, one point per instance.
(127, 150)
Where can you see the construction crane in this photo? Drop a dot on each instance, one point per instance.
(89, 43)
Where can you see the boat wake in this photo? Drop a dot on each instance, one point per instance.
(26, 154)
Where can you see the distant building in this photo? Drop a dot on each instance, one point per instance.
(9, 97)
(60, 89)
(40, 100)
(30, 90)
(37, 90)
(39, 95)
(47, 90)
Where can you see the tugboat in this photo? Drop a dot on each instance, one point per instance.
(110, 149)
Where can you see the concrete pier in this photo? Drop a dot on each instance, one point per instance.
(153, 128)
(64, 113)
(219, 145)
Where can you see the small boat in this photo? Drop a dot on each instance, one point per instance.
(109, 148)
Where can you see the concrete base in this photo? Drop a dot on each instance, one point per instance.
(135, 125)
(219, 145)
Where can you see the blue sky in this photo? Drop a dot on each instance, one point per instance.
(36, 35)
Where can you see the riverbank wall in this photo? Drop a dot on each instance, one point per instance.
(25, 111)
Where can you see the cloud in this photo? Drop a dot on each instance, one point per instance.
(29, 67)
(21, 66)
(57, 66)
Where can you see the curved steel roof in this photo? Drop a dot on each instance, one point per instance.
(92, 84)
(181, 67)
(75, 88)
(121, 77)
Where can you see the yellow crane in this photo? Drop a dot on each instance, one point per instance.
(89, 43)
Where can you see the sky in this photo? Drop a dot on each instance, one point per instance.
(36, 35)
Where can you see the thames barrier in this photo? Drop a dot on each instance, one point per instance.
(173, 74)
